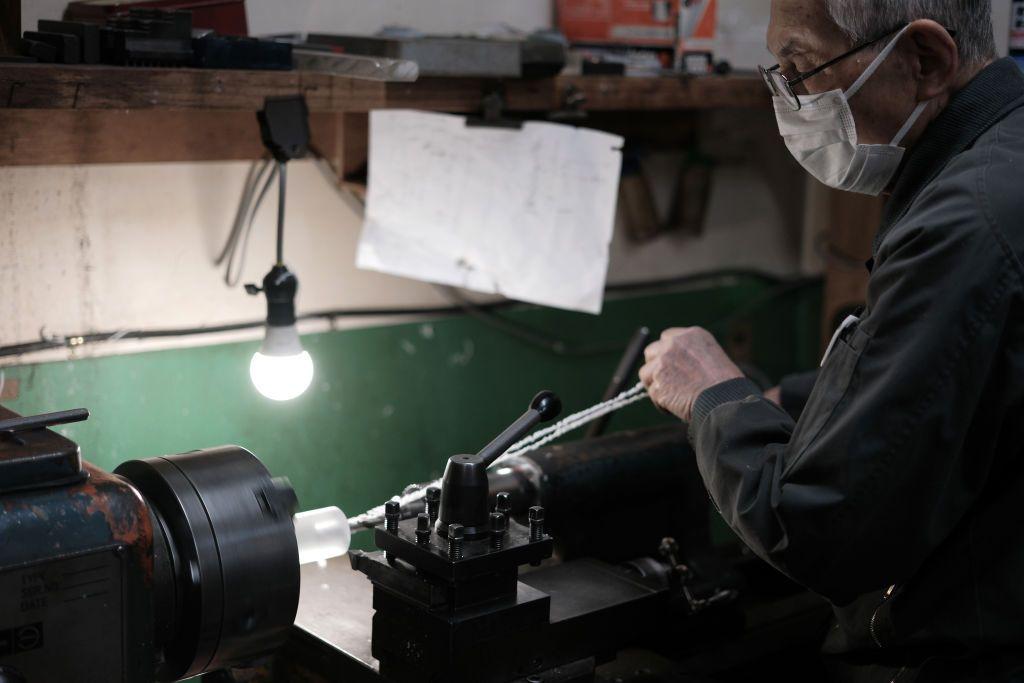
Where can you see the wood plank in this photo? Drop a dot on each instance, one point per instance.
(464, 95)
(600, 93)
(49, 86)
(608, 93)
(41, 137)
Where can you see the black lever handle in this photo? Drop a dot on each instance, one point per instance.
(465, 489)
(544, 407)
(23, 424)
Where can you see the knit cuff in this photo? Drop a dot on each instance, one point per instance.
(729, 391)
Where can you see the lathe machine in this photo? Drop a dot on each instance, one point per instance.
(587, 561)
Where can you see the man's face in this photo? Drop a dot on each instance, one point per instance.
(802, 37)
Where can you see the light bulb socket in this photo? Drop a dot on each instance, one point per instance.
(280, 286)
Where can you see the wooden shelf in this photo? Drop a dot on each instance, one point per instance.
(56, 114)
(86, 88)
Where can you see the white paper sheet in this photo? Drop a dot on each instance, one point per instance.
(524, 213)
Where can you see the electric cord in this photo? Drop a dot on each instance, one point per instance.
(257, 183)
(237, 244)
(525, 333)
(560, 347)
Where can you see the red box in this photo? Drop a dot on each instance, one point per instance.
(226, 17)
(637, 23)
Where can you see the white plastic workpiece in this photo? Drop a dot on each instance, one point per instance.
(322, 534)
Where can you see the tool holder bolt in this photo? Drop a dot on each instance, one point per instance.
(503, 503)
(536, 516)
(392, 515)
(456, 532)
(423, 529)
(433, 499)
(499, 525)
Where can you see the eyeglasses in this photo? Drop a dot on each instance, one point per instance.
(781, 86)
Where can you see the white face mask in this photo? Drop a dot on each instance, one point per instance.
(822, 136)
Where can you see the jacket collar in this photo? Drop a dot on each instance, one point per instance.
(991, 95)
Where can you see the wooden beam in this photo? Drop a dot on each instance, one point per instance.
(81, 87)
(40, 137)
(616, 93)
(50, 86)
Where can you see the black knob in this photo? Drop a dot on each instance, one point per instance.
(547, 404)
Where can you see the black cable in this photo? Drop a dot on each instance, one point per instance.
(525, 333)
(485, 312)
(75, 341)
(561, 347)
(282, 177)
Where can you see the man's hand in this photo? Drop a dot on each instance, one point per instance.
(681, 365)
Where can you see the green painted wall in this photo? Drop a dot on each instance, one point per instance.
(389, 404)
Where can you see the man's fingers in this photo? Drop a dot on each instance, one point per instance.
(653, 351)
(675, 332)
(647, 374)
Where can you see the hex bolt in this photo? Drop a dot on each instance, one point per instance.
(499, 525)
(455, 534)
(423, 529)
(536, 523)
(392, 514)
(503, 503)
(433, 498)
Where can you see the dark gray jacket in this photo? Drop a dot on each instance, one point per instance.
(899, 493)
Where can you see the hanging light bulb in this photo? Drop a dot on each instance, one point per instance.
(281, 370)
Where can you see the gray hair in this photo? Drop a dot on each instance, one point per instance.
(864, 20)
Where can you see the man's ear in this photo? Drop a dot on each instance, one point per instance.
(934, 58)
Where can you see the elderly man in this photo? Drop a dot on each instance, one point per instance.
(898, 494)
